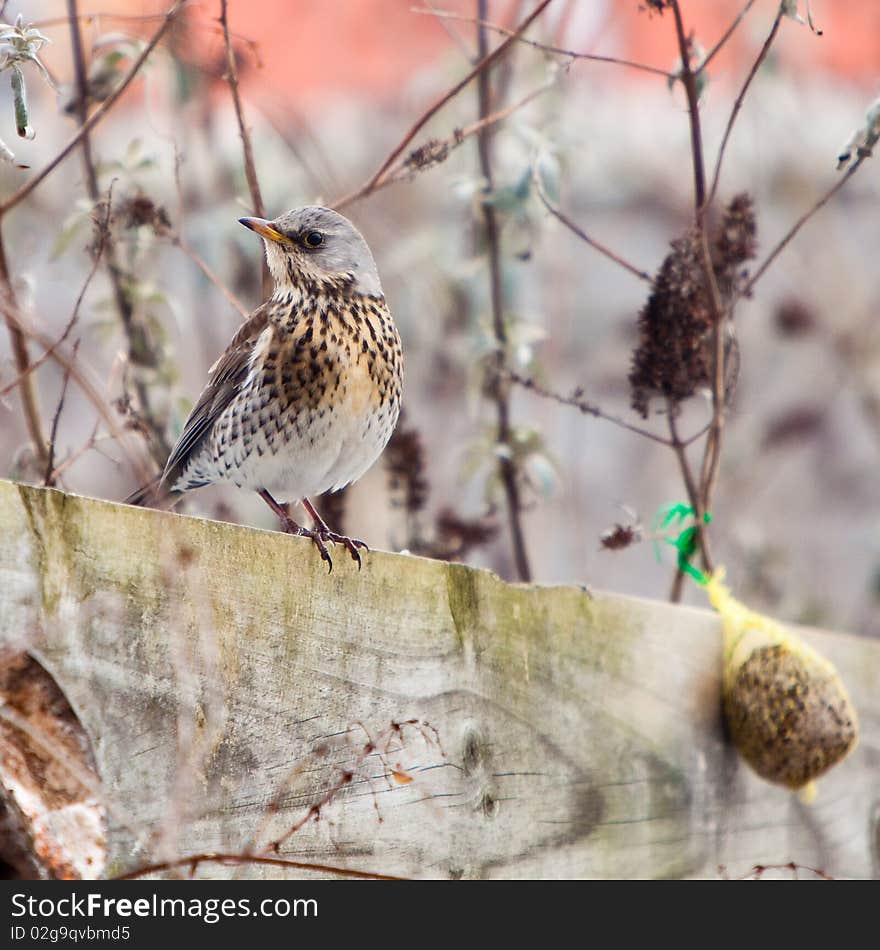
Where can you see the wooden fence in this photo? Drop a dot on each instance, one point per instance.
(416, 718)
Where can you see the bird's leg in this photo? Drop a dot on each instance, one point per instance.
(289, 526)
(325, 534)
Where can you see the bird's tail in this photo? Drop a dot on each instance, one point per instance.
(154, 494)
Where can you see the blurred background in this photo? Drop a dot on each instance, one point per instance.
(329, 89)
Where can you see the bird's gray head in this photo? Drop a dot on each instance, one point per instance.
(316, 244)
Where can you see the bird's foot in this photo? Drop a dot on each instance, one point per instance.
(321, 533)
(319, 536)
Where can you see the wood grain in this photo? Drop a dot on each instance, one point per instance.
(230, 684)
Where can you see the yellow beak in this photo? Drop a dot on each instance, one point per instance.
(262, 227)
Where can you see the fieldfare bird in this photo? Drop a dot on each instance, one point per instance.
(307, 394)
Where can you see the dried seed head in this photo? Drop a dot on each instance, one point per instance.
(736, 241)
(620, 536)
(139, 210)
(674, 358)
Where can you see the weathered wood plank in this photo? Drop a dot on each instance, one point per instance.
(576, 735)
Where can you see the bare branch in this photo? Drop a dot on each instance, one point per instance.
(545, 47)
(499, 392)
(232, 78)
(250, 169)
(88, 388)
(436, 151)
(49, 476)
(596, 245)
(90, 443)
(178, 241)
(737, 105)
(801, 221)
(29, 399)
(96, 116)
(576, 401)
(680, 449)
(725, 37)
(701, 498)
(40, 360)
(377, 179)
(138, 342)
(688, 80)
(216, 857)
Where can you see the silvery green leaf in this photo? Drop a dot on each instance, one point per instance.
(19, 98)
(541, 473)
(548, 171)
(133, 150)
(790, 9)
(510, 198)
(864, 138)
(6, 153)
(504, 199)
(464, 187)
(70, 227)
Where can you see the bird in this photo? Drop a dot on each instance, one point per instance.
(307, 394)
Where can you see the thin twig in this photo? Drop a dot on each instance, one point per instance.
(591, 409)
(737, 105)
(178, 241)
(30, 401)
(680, 449)
(436, 151)
(375, 181)
(139, 346)
(49, 472)
(232, 78)
(37, 363)
(52, 473)
(801, 221)
(96, 116)
(596, 245)
(545, 47)
(250, 169)
(689, 81)
(448, 28)
(712, 455)
(725, 37)
(143, 471)
(252, 45)
(49, 476)
(701, 497)
(218, 857)
(500, 392)
(90, 443)
(576, 401)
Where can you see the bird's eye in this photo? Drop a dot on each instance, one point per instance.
(314, 239)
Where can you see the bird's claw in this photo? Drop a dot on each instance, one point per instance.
(318, 536)
(351, 543)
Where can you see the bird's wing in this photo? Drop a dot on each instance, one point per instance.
(226, 376)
